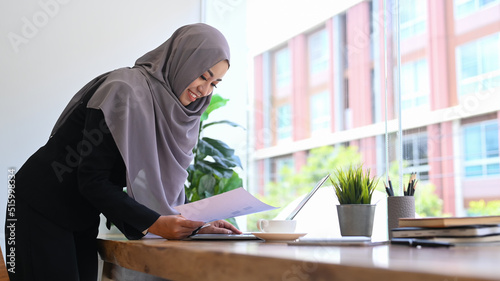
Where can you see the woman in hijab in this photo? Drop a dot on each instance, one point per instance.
(133, 127)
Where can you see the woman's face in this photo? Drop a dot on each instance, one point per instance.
(205, 84)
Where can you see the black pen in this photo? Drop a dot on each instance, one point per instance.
(198, 229)
(419, 242)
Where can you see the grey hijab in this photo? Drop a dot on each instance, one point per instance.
(153, 131)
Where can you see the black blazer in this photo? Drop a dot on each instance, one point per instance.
(78, 174)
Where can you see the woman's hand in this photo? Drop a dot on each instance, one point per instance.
(174, 227)
(220, 226)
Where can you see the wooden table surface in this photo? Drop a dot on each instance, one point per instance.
(258, 260)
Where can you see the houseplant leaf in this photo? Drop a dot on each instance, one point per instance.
(232, 124)
(353, 186)
(216, 102)
(218, 147)
(227, 184)
(206, 185)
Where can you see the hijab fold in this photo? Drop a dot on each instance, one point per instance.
(153, 131)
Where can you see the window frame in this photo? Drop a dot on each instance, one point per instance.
(282, 71)
(477, 7)
(325, 118)
(481, 78)
(413, 96)
(287, 130)
(323, 59)
(484, 161)
(421, 169)
(411, 27)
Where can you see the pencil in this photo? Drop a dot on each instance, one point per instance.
(413, 183)
(390, 185)
(408, 190)
(414, 186)
(387, 189)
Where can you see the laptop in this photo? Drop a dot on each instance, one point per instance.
(250, 236)
(304, 201)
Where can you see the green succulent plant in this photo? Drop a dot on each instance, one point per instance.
(353, 185)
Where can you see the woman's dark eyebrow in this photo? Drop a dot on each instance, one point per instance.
(212, 74)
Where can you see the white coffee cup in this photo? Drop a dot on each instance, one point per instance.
(277, 226)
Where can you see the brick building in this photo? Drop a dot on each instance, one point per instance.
(327, 86)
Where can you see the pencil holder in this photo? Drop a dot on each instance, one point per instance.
(399, 207)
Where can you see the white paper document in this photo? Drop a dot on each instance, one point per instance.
(234, 203)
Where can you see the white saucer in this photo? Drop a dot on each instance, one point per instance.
(277, 237)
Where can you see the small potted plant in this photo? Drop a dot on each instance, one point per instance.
(354, 189)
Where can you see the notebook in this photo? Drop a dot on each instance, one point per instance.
(249, 236)
(457, 231)
(448, 221)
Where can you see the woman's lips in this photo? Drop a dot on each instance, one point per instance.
(192, 96)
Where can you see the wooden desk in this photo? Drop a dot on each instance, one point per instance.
(255, 260)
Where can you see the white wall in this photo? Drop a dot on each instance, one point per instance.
(50, 48)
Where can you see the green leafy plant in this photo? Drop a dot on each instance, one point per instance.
(483, 208)
(212, 171)
(353, 185)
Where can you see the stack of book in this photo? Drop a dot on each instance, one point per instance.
(450, 230)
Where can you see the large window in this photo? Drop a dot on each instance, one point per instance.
(413, 17)
(478, 65)
(415, 155)
(283, 68)
(284, 122)
(280, 164)
(318, 52)
(320, 112)
(467, 7)
(415, 85)
(480, 145)
(409, 107)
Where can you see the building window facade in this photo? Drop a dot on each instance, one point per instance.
(320, 113)
(318, 52)
(283, 68)
(480, 146)
(415, 155)
(281, 163)
(415, 85)
(323, 101)
(284, 122)
(413, 18)
(466, 7)
(478, 65)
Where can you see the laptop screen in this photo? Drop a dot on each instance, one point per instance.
(304, 201)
